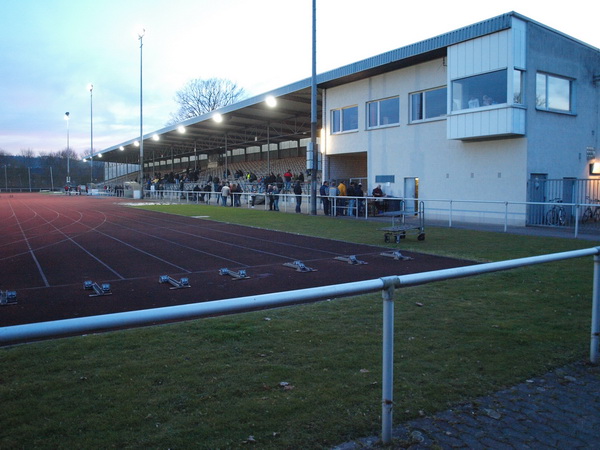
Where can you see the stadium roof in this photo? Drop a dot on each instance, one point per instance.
(252, 122)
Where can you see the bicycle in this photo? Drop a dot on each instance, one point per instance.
(556, 216)
(591, 213)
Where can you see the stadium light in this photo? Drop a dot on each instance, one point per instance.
(271, 101)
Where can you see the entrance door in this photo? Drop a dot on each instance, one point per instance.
(411, 191)
(537, 193)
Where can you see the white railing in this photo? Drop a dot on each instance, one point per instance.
(386, 285)
(500, 215)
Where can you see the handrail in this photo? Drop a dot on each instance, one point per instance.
(242, 304)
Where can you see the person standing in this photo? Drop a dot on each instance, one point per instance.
(271, 196)
(298, 193)
(324, 193)
(351, 200)
(225, 192)
(360, 203)
(288, 181)
(341, 202)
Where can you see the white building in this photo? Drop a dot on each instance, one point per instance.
(474, 114)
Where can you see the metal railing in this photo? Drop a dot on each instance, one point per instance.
(387, 285)
(571, 217)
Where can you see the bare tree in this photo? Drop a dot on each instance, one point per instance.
(200, 96)
(27, 153)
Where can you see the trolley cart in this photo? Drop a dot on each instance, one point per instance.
(404, 222)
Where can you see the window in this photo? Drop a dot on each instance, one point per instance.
(480, 90)
(518, 87)
(428, 104)
(344, 119)
(382, 113)
(552, 93)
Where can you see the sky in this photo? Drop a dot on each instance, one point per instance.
(51, 50)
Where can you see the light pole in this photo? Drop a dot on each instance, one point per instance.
(313, 150)
(68, 162)
(91, 88)
(141, 33)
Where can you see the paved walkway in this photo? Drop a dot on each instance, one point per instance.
(560, 410)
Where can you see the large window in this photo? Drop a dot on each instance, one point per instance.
(428, 104)
(480, 90)
(382, 113)
(344, 119)
(552, 93)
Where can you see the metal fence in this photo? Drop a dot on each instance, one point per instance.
(387, 285)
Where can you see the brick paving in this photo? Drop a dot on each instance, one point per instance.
(560, 410)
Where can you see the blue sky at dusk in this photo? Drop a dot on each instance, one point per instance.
(50, 50)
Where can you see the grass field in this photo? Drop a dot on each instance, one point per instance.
(306, 376)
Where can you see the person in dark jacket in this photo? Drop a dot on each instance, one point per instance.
(298, 194)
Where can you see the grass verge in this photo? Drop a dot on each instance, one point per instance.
(306, 376)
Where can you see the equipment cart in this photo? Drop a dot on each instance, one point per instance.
(404, 221)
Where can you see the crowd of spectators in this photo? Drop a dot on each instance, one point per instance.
(338, 198)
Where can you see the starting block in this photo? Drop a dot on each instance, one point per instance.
(239, 275)
(397, 256)
(99, 290)
(182, 283)
(299, 266)
(350, 260)
(8, 298)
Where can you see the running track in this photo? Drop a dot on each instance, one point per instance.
(50, 244)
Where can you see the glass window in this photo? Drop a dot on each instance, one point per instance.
(480, 90)
(428, 104)
(345, 119)
(518, 87)
(382, 113)
(336, 123)
(553, 93)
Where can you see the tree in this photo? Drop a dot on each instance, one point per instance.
(200, 96)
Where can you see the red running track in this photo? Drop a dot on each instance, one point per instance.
(50, 244)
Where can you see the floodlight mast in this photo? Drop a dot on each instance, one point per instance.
(313, 151)
(91, 88)
(141, 34)
(68, 162)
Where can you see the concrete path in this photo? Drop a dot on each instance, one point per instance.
(560, 410)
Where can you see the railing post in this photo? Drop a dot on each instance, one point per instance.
(450, 216)
(595, 336)
(577, 208)
(387, 393)
(505, 217)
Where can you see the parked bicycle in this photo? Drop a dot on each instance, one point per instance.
(591, 213)
(556, 216)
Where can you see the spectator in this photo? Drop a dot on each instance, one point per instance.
(341, 202)
(333, 193)
(271, 197)
(298, 193)
(276, 191)
(351, 200)
(288, 180)
(225, 191)
(237, 194)
(360, 202)
(378, 193)
(324, 193)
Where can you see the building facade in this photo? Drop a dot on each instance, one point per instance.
(503, 110)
